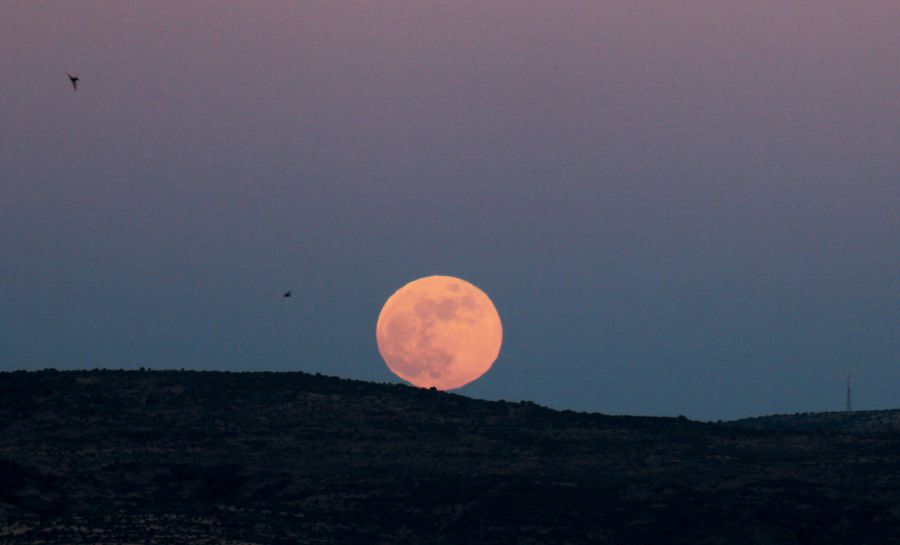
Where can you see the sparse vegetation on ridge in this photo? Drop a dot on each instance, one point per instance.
(107, 457)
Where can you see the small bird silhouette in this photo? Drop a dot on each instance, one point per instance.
(74, 81)
(287, 293)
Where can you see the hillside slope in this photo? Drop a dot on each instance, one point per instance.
(195, 457)
(836, 422)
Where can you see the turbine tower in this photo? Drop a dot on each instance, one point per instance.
(849, 406)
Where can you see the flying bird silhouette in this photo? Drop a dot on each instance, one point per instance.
(287, 293)
(74, 81)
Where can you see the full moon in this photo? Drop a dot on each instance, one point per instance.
(439, 331)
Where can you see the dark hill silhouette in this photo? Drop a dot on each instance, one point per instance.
(836, 422)
(106, 457)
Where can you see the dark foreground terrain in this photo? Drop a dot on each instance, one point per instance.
(187, 457)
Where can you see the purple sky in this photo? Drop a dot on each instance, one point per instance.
(677, 208)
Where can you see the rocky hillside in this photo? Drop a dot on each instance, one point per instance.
(118, 457)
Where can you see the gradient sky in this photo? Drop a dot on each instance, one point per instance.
(677, 207)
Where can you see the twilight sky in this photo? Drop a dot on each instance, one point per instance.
(677, 208)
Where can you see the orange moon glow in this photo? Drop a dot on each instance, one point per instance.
(439, 331)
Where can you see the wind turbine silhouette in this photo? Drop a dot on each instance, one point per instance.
(74, 80)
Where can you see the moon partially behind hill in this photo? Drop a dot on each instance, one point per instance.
(439, 331)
